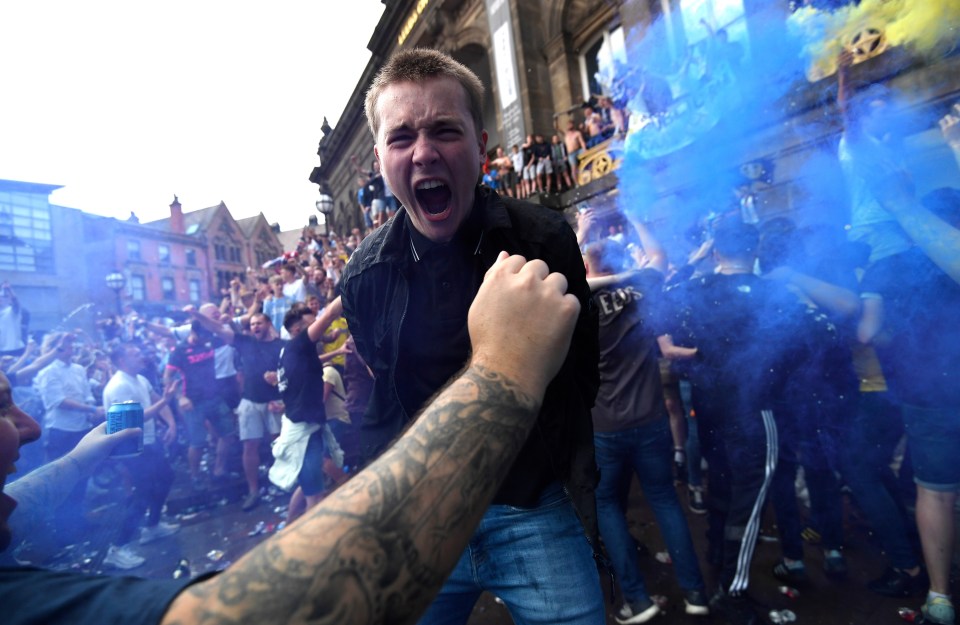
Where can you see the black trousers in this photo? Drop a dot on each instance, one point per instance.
(739, 441)
(152, 478)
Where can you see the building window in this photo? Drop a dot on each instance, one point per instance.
(235, 254)
(219, 251)
(133, 250)
(194, 291)
(25, 233)
(223, 280)
(601, 61)
(727, 15)
(169, 288)
(191, 258)
(138, 288)
(163, 253)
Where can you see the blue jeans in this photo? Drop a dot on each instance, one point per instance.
(536, 560)
(807, 441)
(868, 443)
(646, 451)
(694, 472)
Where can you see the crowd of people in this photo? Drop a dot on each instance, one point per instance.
(214, 381)
(796, 349)
(587, 356)
(550, 164)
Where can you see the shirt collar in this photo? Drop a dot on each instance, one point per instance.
(469, 236)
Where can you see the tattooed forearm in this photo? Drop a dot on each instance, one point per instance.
(40, 491)
(380, 547)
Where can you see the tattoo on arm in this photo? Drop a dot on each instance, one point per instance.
(379, 548)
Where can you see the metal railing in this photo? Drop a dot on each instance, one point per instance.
(598, 161)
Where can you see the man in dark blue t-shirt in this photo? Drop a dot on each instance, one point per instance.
(300, 381)
(260, 405)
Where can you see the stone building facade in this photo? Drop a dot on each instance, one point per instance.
(540, 59)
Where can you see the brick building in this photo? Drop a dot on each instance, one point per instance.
(229, 246)
(187, 258)
(164, 271)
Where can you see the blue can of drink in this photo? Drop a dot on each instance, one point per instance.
(122, 416)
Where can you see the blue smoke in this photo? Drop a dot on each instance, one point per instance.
(743, 97)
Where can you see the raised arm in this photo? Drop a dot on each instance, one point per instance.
(328, 315)
(224, 332)
(158, 329)
(584, 225)
(8, 290)
(378, 549)
(939, 240)
(26, 373)
(255, 306)
(656, 257)
(844, 62)
(830, 297)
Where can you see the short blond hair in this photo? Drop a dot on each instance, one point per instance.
(419, 65)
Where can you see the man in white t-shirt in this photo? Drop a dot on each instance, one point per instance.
(150, 472)
(11, 317)
(293, 286)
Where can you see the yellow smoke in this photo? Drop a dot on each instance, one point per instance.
(926, 26)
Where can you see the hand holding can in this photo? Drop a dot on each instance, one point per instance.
(124, 416)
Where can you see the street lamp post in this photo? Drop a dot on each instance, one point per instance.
(325, 207)
(117, 281)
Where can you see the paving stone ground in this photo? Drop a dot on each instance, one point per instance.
(215, 532)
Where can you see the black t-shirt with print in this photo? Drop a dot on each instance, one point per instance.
(196, 363)
(630, 392)
(301, 380)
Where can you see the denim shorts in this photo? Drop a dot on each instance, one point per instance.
(217, 412)
(311, 478)
(933, 435)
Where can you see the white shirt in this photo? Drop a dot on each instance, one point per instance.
(517, 161)
(59, 381)
(295, 290)
(11, 337)
(125, 387)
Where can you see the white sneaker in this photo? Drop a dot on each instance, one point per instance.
(123, 558)
(638, 612)
(158, 531)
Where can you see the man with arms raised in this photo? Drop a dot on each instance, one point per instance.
(378, 549)
(406, 293)
(260, 405)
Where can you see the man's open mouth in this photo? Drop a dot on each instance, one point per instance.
(433, 196)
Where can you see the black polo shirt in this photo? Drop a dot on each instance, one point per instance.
(434, 341)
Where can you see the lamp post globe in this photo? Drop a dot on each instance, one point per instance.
(116, 281)
(325, 207)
